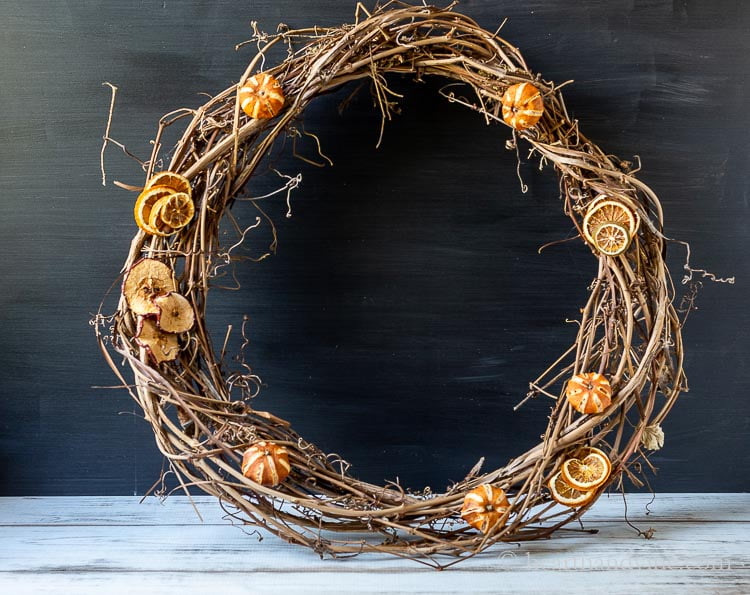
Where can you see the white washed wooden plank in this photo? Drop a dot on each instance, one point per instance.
(458, 582)
(177, 510)
(214, 548)
(109, 510)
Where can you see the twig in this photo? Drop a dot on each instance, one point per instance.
(105, 138)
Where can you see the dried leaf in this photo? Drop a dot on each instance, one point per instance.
(652, 437)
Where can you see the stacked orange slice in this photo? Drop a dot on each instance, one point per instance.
(165, 205)
(609, 225)
(580, 478)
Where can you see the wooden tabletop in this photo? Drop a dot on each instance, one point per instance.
(699, 542)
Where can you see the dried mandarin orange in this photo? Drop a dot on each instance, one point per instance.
(589, 392)
(522, 106)
(261, 96)
(483, 506)
(266, 463)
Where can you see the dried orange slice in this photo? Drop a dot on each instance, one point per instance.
(604, 210)
(588, 472)
(566, 494)
(144, 204)
(155, 222)
(611, 239)
(171, 180)
(159, 227)
(173, 211)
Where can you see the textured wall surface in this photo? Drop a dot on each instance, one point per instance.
(407, 307)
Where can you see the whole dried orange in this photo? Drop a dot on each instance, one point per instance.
(589, 392)
(261, 96)
(484, 506)
(522, 106)
(266, 463)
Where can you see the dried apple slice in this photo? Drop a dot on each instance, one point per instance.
(147, 279)
(175, 314)
(160, 345)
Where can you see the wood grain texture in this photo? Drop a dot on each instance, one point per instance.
(179, 510)
(407, 293)
(700, 544)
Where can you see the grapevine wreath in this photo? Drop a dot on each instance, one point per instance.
(609, 391)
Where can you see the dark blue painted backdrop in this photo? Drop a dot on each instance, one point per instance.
(407, 307)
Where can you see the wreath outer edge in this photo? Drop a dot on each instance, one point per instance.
(629, 329)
